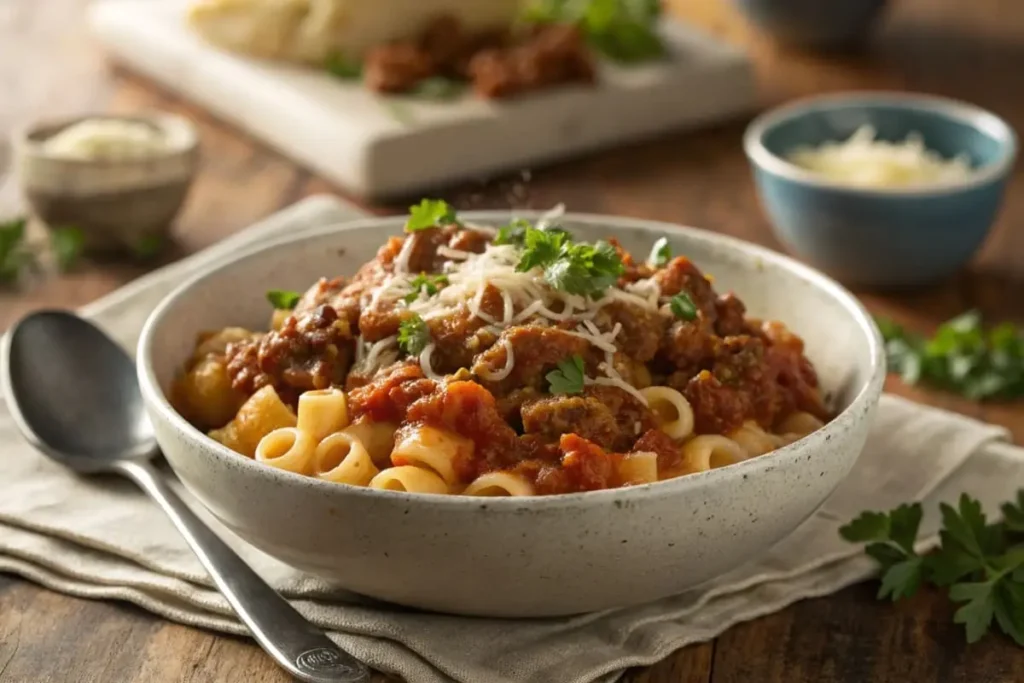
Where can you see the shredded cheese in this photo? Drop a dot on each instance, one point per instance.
(864, 161)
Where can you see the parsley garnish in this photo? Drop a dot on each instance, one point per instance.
(622, 30)
(283, 299)
(413, 335)
(345, 68)
(960, 357)
(568, 378)
(661, 253)
(430, 283)
(149, 246)
(574, 267)
(67, 246)
(683, 307)
(981, 562)
(515, 232)
(430, 213)
(14, 255)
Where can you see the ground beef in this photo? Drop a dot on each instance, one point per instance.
(451, 47)
(397, 67)
(537, 351)
(730, 316)
(642, 328)
(661, 444)
(680, 275)
(459, 336)
(549, 55)
(608, 416)
(312, 350)
(387, 397)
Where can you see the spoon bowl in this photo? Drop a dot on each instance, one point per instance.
(101, 419)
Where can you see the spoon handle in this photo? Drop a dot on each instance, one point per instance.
(298, 646)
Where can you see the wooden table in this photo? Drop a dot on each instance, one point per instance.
(971, 50)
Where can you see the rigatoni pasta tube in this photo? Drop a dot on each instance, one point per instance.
(322, 412)
(675, 416)
(410, 479)
(432, 448)
(799, 423)
(261, 414)
(341, 458)
(287, 449)
(708, 451)
(499, 484)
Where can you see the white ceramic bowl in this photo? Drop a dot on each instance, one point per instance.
(518, 557)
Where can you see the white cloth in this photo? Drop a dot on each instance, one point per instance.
(101, 538)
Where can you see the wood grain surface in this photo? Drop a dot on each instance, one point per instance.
(973, 50)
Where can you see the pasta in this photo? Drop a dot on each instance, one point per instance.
(288, 449)
(341, 458)
(409, 479)
(453, 364)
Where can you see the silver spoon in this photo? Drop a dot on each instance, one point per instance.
(75, 396)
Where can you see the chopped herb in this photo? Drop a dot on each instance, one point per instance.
(981, 562)
(67, 246)
(413, 335)
(568, 378)
(683, 307)
(961, 357)
(438, 88)
(430, 283)
(15, 256)
(283, 299)
(661, 253)
(622, 30)
(345, 68)
(574, 267)
(430, 213)
(513, 233)
(149, 246)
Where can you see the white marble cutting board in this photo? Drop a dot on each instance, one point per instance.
(391, 146)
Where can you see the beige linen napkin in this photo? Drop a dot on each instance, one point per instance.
(101, 538)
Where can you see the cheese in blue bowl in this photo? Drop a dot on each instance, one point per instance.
(881, 189)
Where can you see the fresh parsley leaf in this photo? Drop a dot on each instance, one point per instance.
(960, 357)
(14, 254)
(981, 562)
(515, 232)
(568, 378)
(976, 615)
(622, 30)
(661, 253)
(413, 335)
(683, 307)
(902, 579)
(67, 246)
(430, 213)
(423, 282)
(345, 68)
(574, 267)
(439, 88)
(282, 299)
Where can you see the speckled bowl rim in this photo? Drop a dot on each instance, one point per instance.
(980, 119)
(866, 398)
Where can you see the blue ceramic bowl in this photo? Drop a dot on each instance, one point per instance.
(816, 24)
(891, 236)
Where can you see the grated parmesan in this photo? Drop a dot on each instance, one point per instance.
(864, 161)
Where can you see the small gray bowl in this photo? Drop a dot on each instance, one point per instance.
(888, 237)
(815, 24)
(121, 205)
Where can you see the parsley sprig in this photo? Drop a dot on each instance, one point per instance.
(981, 562)
(683, 307)
(515, 232)
(622, 30)
(961, 357)
(568, 378)
(661, 253)
(574, 267)
(431, 284)
(18, 257)
(413, 335)
(430, 213)
(283, 299)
